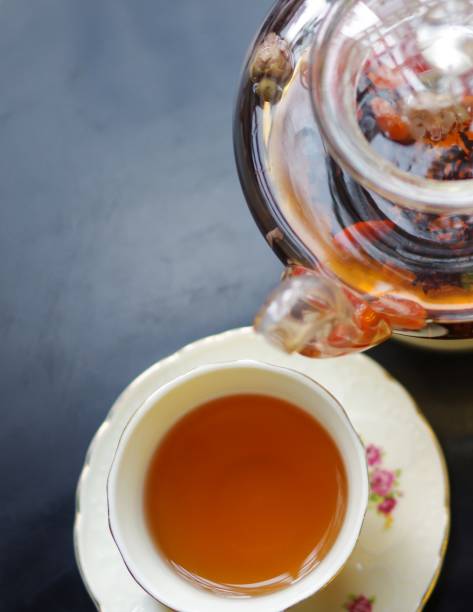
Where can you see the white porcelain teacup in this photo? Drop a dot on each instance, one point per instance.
(149, 425)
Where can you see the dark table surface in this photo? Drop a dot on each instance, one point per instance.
(123, 236)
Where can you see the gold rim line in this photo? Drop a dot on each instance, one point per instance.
(446, 493)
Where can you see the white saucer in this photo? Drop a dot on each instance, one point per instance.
(398, 558)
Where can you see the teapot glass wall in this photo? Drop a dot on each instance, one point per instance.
(370, 249)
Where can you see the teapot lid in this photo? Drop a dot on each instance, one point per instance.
(422, 52)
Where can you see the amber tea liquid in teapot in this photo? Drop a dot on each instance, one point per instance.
(354, 142)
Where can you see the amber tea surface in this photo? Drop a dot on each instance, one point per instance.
(245, 494)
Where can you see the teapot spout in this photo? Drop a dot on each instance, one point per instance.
(317, 317)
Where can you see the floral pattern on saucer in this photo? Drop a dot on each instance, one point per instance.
(359, 603)
(384, 485)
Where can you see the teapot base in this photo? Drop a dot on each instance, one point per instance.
(436, 345)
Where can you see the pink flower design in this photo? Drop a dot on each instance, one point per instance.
(373, 454)
(382, 482)
(387, 505)
(360, 604)
(384, 486)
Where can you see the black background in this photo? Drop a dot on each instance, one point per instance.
(124, 235)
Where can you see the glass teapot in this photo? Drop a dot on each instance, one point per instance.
(353, 136)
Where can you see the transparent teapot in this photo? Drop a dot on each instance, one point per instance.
(354, 143)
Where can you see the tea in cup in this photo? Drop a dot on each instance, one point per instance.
(238, 486)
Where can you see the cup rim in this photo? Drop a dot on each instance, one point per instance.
(275, 600)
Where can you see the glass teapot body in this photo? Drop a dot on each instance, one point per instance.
(362, 262)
